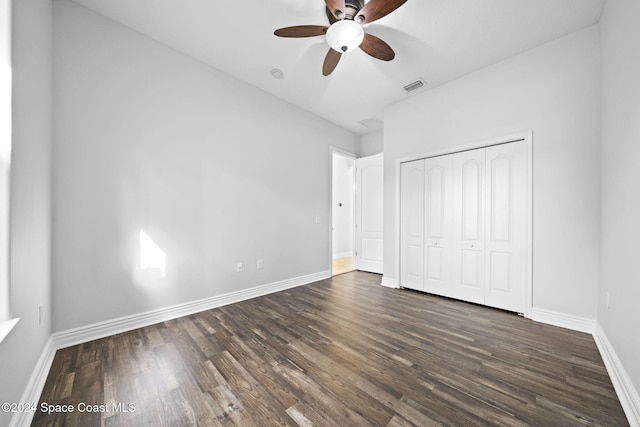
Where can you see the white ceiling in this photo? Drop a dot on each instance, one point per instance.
(435, 40)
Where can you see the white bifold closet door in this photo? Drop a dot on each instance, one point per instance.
(468, 223)
(438, 225)
(464, 225)
(412, 224)
(426, 225)
(506, 225)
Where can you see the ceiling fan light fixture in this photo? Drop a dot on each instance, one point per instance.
(345, 36)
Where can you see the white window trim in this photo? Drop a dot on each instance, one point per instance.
(6, 322)
(6, 327)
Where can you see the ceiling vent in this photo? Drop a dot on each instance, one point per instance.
(414, 86)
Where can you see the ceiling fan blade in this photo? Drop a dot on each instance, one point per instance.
(302, 31)
(332, 19)
(377, 48)
(330, 62)
(336, 7)
(376, 9)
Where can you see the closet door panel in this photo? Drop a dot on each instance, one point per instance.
(506, 226)
(471, 269)
(438, 231)
(468, 225)
(412, 224)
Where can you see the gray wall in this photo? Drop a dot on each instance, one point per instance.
(30, 198)
(214, 170)
(553, 90)
(219, 172)
(372, 143)
(620, 225)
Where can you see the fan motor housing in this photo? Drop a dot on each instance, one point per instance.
(352, 7)
(354, 4)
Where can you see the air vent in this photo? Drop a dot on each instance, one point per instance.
(414, 86)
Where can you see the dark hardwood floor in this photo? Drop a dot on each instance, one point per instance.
(339, 352)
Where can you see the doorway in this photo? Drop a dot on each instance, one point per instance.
(342, 212)
(356, 212)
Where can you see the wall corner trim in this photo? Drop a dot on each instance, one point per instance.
(389, 282)
(568, 321)
(627, 394)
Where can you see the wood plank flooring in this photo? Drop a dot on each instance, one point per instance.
(340, 352)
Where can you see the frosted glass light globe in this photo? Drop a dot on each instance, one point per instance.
(344, 36)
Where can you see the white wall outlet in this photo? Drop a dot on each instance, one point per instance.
(238, 267)
(317, 220)
(259, 264)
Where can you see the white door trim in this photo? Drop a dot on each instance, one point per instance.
(526, 136)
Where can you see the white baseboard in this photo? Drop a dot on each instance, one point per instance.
(111, 327)
(84, 334)
(568, 321)
(342, 255)
(627, 393)
(389, 282)
(35, 385)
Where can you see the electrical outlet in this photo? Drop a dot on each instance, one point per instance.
(238, 267)
(317, 220)
(259, 264)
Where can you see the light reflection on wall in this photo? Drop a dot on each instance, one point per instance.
(152, 258)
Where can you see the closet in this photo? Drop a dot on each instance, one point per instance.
(464, 225)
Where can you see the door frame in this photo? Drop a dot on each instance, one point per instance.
(341, 152)
(526, 136)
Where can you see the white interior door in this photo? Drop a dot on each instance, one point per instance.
(369, 206)
(506, 226)
(438, 230)
(412, 221)
(468, 225)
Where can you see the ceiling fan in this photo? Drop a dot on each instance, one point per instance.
(345, 33)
